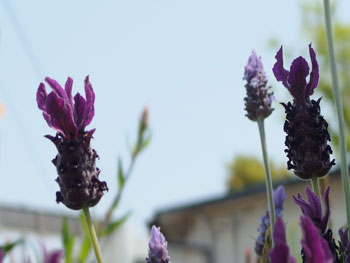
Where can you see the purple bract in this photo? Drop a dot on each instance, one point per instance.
(295, 79)
(313, 208)
(315, 248)
(280, 252)
(158, 252)
(66, 114)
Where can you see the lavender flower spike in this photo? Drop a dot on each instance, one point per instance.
(307, 135)
(315, 248)
(258, 101)
(312, 208)
(280, 252)
(344, 245)
(157, 252)
(279, 196)
(75, 162)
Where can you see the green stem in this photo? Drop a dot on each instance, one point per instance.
(268, 178)
(117, 198)
(316, 186)
(93, 237)
(339, 107)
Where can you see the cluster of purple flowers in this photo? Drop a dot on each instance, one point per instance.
(308, 155)
(307, 150)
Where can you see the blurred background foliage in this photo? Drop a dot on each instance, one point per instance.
(313, 27)
(246, 171)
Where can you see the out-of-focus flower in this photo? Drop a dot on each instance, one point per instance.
(280, 252)
(279, 196)
(307, 135)
(158, 252)
(312, 208)
(54, 256)
(258, 101)
(2, 254)
(314, 248)
(344, 245)
(75, 162)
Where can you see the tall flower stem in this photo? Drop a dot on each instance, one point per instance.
(93, 236)
(339, 107)
(316, 186)
(268, 178)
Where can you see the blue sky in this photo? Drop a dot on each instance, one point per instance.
(183, 59)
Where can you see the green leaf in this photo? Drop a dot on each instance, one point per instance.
(115, 225)
(9, 246)
(84, 249)
(121, 178)
(83, 224)
(68, 241)
(145, 143)
(86, 245)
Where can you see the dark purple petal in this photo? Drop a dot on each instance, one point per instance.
(68, 89)
(280, 73)
(344, 240)
(56, 87)
(2, 254)
(41, 96)
(314, 75)
(315, 248)
(304, 206)
(80, 109)
(53, 257)
(90, 100)
(314, 202)
(280, 252)
(297, 78)
(60, 115)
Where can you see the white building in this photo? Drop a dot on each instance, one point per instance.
(220, 230)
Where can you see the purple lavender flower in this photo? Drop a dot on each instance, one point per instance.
(258, 101)
(279, 196)
(344, 245)
(54, 256)
(307, 135)
(315, 248)
(280, 252)
(313, 209)
(75, 162)
(157, 252)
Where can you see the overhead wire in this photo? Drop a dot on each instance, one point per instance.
(28, 142)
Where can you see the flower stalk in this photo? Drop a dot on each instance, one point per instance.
(93, 236)
(268, 178)
(316, 186)
(339, 108)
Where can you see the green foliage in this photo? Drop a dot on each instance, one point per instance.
(111, 227)
(86, 244)
(9, 246)
(313, 27)
(68, 241)
(247, 170)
